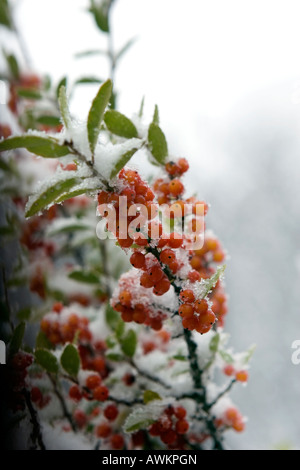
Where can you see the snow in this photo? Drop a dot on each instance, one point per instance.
(107, 156)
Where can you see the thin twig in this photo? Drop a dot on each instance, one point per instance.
(62, 403)
(36, 434)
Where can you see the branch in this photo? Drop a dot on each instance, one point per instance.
(36, 434)
(62, 403)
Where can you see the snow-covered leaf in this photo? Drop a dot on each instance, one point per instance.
(70, 360)
(62, 82)
(124, 159)
(226, 357)
(46, 360)
(43, 146)
(214, 343)
(248, 354)
(206, 285)
(140, 419)
(96, 113)
(157, 143)
(119, 124)
(49, 195)
(64, 107)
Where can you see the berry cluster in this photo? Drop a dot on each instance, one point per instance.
(171, 187)
(93, 389)
(62, 328)
(240, 375)
(16, 379)
(137, 193)
(171, 427)
(196, 313)
(231, 418)
(135, 302)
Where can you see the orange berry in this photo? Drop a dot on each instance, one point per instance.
(242, 376)
(186, 311)
(167, 256)
(161, 287)
(156, 273)
(101, 393)
(146, 281)
(194, 276)
(171, 168)
(201, 306)
(196, 262)
(175, 240)
(183, 165)
(187, 296)
(176, 187)
(125, 298)
(219, 256)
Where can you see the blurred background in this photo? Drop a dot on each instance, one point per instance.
(226, 77)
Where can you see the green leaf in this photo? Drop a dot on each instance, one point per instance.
(29, 93)
(70, 360)
(100, 12)
(149, 395)
(24, 313)
(141, 110)
(125, 48)
(157, 143)
(42, 342)
(84, 276)
(120, 329)
(115, 357)
(214, 343)
(124, 159)
(129, 343)
(88, 81)
(5, 17)
(226, 357)
(62, 82)
(73, 227)
(64, 107)
(112, 317)
(90, 52)
(156, 115)
(43, 146)
(17, 338)
(12, 64)
(96, 113)
(52, 121)
(47, 360)
(180, 357)
(249, 353)
(49, 196)
(119, 124)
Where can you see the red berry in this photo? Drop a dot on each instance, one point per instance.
(180, 412)
(146, 281)
(201, 306)
(117, 441)
(75, 393)
(101, 393)
(125, 298)
(111, 412)
(182, 426)
(186, 311)
(80, 418)
(137, 260)
(93, 381)
(167, 256)
(156, 273)
(229, 370)
(36, 395)
(103, 430)
(175, 240)
(194, 276)
(169, 437)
